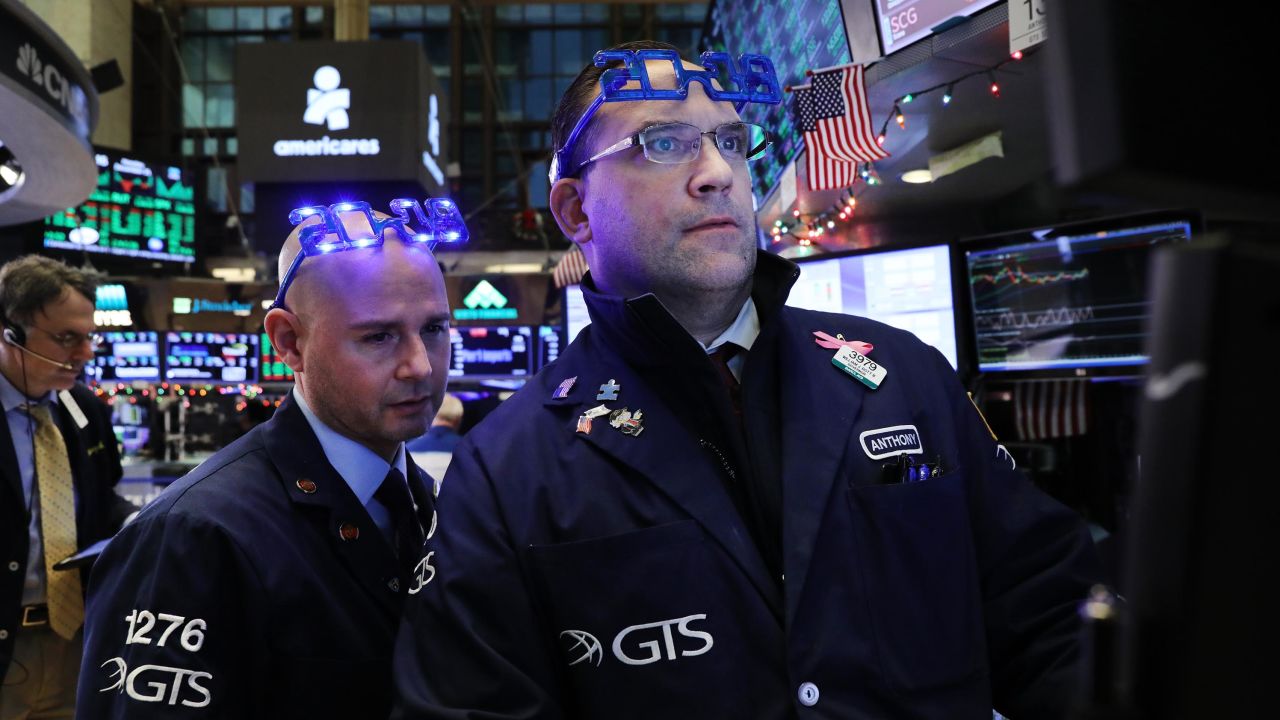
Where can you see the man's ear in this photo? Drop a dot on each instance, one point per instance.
(284, 328)
(566, 207)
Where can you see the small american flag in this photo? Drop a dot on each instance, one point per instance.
(832, 113)
(1046, 409)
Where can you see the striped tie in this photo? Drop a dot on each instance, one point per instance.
(57, 524)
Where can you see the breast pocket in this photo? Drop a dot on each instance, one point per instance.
(650, 619)
(915, 550)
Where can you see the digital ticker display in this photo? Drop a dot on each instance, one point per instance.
(797, 36)
(903, 22)
(137, 210)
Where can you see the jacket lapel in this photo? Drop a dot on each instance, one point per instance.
(318, 492)
(818, 415)
(670, 458)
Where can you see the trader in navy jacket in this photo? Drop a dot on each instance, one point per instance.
(268, 582)
(621, 539)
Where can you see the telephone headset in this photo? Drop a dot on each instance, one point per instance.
(16, 335)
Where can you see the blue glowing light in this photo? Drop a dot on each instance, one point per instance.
(751, 79)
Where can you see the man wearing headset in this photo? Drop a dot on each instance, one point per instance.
(814, 523)
(59, 464)
(268, 582)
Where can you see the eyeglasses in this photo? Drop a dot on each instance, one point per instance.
(70, 340)
(676, 143)
(438, 221)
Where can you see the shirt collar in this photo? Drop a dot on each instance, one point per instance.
(361, 467)
(12, 397)
(743, 332)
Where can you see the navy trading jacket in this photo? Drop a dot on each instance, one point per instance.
(95, 469)
(255, 587)
(590, 573)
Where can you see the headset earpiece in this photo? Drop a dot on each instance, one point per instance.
(15, 336)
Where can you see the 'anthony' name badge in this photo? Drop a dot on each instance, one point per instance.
(860, 367)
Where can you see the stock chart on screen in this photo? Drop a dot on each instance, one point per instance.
(138, 210)
(1066, 298)
(797, 36)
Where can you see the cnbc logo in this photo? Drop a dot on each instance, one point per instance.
(484, 302)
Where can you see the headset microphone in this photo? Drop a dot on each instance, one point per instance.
(12, 338)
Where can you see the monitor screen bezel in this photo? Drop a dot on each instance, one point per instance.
(964, 246)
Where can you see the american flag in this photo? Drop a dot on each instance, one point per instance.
(832, 113)
(1046, 409)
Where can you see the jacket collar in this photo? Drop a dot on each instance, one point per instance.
(644, 331)
(316, 489)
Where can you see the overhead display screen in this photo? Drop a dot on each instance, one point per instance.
(126, 356)
(903, 22)
(205, 357)
(909, 289)
(797, 36)
(138, 210)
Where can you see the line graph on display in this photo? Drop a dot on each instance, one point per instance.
(1017, 276)
(1053, 317)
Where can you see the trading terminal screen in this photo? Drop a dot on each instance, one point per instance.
(206, 357)
(1067, 298)
(492, 352)
(909, 289)
(125, 357)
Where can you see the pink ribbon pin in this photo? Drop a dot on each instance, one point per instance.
(837, 342)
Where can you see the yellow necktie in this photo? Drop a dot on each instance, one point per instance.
(57, 524)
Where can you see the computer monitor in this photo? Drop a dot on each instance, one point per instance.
(131, 424)
(211, 358)
(506, 351)
(574, 310)
(125, 357)
(908, 288)
(1067, 300)
(550, 343)
(272, 365)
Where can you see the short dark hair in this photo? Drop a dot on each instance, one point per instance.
(33, 281)
(575, 100)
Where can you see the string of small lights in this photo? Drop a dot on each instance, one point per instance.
(808, 228)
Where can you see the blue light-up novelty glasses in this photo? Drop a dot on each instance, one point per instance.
(751, 79)
(440, 223)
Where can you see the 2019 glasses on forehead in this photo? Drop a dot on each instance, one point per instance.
(437, 220)
(751, 79)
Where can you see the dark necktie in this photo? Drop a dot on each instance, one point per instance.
(720, 359)
(406, 531)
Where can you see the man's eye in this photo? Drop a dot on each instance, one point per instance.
(664, 144)
(379, 338)
(435, 329)
(732, 143)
